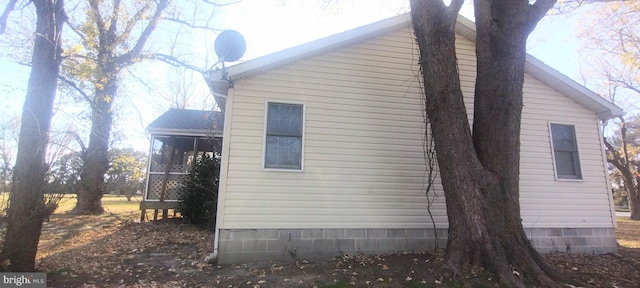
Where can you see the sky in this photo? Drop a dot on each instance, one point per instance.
(300, 21)
(272, 25)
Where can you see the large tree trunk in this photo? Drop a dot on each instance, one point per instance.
(634, 206)
(480, 173)
(619, 157)
(96, 159)
(26, 207)
(95, 162)
(633, 197)
(631, 182)
(502, 31)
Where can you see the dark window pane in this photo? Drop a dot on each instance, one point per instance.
(563, 137)
(284, 119)
(565, 163)
(283, 152)
(271, 156)
(283, 147)
(565, 150)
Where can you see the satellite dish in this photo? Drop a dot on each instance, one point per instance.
(230, 46)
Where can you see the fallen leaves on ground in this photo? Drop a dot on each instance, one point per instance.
(98, 251)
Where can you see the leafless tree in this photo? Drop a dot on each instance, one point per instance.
(27, 207)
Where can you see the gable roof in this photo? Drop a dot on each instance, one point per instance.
(219, 82)
(187, 122)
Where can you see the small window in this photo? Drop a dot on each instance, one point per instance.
(283, 143)
(565, 151)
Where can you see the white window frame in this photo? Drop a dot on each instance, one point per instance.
(553, 152)
(264, 135)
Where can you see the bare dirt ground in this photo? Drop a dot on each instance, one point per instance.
(113, 251)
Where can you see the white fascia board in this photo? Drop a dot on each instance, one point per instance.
(185, 132)
(319, 46)
(466, 28)
(570, 88)
(556, 80)
(219, 82)
(218, 86)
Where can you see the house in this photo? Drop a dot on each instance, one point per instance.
(323, 151)
(178, 137)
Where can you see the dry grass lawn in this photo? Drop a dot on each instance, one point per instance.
(113, 250)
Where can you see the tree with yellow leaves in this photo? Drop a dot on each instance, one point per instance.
(614, 35)
(127, 169)
(112, 36)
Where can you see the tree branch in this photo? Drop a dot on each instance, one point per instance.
(128, 57)
(426, 9)
(617, 160)
(454, 8)
(132, 22)
(79, 33)
(571, 5)
(173, 61)
(85, 57)
(220, 5)
(27, 64)
(95, 7)
(113, 25)
(180, 21)
(623, 135)
(75, 86)
(83, 148)
(142, 81)
(537, 10)
(622, 163)
(5, 15)
(627, 85)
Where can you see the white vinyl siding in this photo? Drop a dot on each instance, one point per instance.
(546, 202)
(364, 163)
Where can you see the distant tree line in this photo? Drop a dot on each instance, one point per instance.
(126, 172)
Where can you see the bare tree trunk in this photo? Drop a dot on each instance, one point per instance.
(634, 202)
(631, 182)
(631, 185)
(619, 158)
(502, 31)
(27, 207)
(96, 159)
(634, 207)
(480, 172)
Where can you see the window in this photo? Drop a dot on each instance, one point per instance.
(565, 151)
(283, 143)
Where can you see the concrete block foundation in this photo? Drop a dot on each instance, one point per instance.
(249, 245)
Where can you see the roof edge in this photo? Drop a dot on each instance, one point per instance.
(572, 89)
(219, 80)
(184, 132)
(319, 46)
